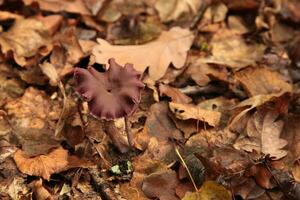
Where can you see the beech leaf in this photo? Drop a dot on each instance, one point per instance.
(170, 47)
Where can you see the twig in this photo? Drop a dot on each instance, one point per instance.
(186, 167)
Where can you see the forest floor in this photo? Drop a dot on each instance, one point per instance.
(150, 99)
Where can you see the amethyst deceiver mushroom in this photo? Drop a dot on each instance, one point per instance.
(113, 94)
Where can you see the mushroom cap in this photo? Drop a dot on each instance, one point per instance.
(113, 94)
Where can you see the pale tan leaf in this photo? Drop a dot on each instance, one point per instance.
(172, 9)
(43, 165)
(251, 103)
(263, 135)
(270, 136)
(188, 111)
(231, 50)
(261, 80)
(76, 6)
(170, 47)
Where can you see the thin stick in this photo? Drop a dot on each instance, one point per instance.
(186, 167)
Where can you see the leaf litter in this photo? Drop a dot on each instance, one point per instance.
(218, 117)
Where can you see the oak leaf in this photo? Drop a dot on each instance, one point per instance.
(263, 132)
(170, 47)
(189, 111)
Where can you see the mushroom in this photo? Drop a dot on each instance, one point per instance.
(110, 95)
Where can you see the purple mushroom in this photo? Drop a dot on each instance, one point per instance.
(113, 94)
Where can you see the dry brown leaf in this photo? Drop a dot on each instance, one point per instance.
(173, 9)
(189, 111)
(43, 165)
(231, 50)
(159, 124)
(76, 6)
(170, 47)
(161, 185)
(261, 80)
(174, 93)
(24, 38)
(203, 73)
(251, 103)
(264, 135)
(31, 123)
(51, 22)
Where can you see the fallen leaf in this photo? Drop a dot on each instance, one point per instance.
(24, 38)
(189, 111)
(174, 93)
(203, 73)
(31, 123)
(241, 5)
(173, 9)
(161, 185)
(209, 191)
(264, 135)
(159, 124)
(43, 165)
(76, 6)
(231, 50)
(18, 188)
(251, 103)
(261, 80)
(170, 47)
(262, 176)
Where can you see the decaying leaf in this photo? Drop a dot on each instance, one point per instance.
(76, 6)
(209, 191)
(170, 47)
(32, 123)
(233, 51)
(264, 135)
(45, 165)
(189, 111)
(173, 9)
(159, 124)
(161, 185)
(203, 73)
(24, 38)
(174, 93)
(261, 80)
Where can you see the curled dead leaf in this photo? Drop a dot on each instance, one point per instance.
(43, 165)
(188, 111)
(24, 38)
(261, 80)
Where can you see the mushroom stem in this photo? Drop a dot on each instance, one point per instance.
(115, 136)
(128, 133)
